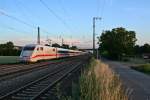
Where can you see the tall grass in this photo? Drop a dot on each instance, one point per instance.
(145, 68)
(99, 82)
(9, 59)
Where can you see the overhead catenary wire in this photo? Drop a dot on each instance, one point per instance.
(102, 14)
(14, 29)
(56, 15)
(63, 8)
(17, 19)
(100, 10)
(67, 15)
(98, 7)
(31, 14)
(103, 7)
(19, 6)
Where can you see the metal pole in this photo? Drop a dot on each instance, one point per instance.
(97, 53)
(62, 41)
(93, 34)
(94, 19)
(38, 39)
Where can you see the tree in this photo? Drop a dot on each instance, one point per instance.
(56, 45)
(145, 48)
(7, 49)
(65, 46)
(117, 42)
(9, 45)
(74, 48)
(137, 50)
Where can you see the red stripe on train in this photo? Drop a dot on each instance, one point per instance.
(45, 55)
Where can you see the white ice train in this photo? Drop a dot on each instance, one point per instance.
(34, 53)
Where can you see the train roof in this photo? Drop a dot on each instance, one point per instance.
(34, 45)
(30, 45)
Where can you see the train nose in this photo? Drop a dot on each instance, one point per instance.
(25, 58)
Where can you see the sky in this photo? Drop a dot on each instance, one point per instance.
(71, 20)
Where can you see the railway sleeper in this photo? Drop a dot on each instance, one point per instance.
(25, 95)
(36, 88)
(40, 85)
(51, 92)
(20, 98)
(50, 96)
(30, 92)
(28, 89)
(45, 82)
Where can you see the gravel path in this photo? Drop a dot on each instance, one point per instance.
(137, 82)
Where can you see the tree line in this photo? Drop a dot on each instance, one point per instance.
(65, 46)
(8, 49)
(144, 49)
(119, 42)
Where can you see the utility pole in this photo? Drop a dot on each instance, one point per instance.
(38, 38)
(94, 19)
(97, 53)
(62, 41)
(49, 41)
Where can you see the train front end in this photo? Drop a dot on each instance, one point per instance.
(26, 53)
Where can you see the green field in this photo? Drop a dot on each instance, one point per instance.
(145, 68)
(134, 60)
(15, 59)
(9, 59)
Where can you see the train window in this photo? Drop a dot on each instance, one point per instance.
(63, 51)
(29, 48)
(41, 48)
(53, 49)
(37, 49)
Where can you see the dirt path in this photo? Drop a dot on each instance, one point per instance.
(138, 82)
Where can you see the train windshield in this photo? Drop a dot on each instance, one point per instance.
(29, 48)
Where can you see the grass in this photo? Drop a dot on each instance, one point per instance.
(135, 60)
(99, 82)
(15, 59)
(9, 59)
(145, 68)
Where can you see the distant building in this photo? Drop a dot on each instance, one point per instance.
(146, 56)
(18, 47)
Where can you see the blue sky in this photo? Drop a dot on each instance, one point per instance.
(71, 19)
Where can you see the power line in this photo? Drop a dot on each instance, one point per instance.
(26, 9)
(13, 29)
(98, 7)
(100, 10)
(68, 15)
(62, 7)
(56, 15)
(103, 7)
(19, 20)
(31, 14)
(16, 19)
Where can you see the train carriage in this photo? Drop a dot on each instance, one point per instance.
(34, 53)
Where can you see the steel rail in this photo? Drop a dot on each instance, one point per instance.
(5, 97)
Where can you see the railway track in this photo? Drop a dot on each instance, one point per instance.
(40, 87)
(8, 71)
(21, 71)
